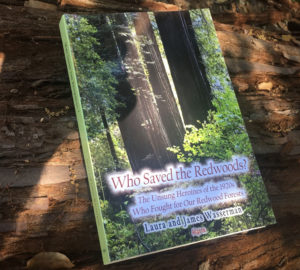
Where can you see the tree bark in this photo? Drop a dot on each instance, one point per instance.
(41, 209)
(144, 135)
(188, 73)
(159, 80)
(109, 139)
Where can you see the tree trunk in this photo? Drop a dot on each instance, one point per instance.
(188, 73)
(145, 137)
(109, 139)
(41, 209)
(159, 80)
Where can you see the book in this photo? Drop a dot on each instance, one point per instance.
(167, 154)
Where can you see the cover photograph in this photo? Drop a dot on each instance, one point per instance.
(168, 158)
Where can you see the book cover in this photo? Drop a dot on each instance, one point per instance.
(168, 158)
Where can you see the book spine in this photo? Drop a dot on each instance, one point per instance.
(84, 139)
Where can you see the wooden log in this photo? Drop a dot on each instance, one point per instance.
(267, 17)
(117, 6)
(42, 211)
(237, 45)
(242, 66)
(39, 175)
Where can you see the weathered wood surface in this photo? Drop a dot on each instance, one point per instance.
(44, 198)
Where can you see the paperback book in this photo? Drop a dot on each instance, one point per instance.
(168, 158)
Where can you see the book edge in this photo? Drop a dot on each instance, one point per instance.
(84, 141)
(192, 243)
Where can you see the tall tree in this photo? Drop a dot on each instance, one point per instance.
(159, 80)
(188, 72)
(145, 136)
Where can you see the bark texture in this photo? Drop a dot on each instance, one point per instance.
(44, 199)
(188, 73)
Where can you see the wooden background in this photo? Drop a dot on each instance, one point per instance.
(44, 199)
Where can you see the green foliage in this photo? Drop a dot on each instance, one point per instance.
(120, 232)
(101, 154)
(127, 238)
(258, 211)
(220, 137)
(95, 76)
(211, 53)
(97, 85)
(223, 134)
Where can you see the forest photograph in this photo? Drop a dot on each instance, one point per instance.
(156, 96)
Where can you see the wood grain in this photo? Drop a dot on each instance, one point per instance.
(40, 207)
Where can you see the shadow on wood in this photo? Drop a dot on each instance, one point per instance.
(41, 210)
